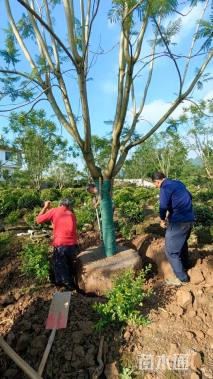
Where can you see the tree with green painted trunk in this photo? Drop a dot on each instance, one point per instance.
(147, 34)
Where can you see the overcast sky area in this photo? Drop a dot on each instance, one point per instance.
(102, 79)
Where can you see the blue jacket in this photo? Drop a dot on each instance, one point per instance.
(175, 198)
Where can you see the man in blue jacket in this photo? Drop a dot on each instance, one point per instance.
(177, 216)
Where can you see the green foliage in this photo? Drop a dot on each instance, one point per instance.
(126, 373)
(9, 200)
(85, 215)
(30, 218)
(123, 195)
(5, 238)
(204, 215)
(203, 195)
(132, 211)
(129, 204)
(36, 137)
(12, 217)
(34, 261)
(79, 196)
(50, 194)
(29, 200)
(204, 234)
(123, 300)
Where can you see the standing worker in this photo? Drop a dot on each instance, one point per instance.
(64, 241)
(176, 202)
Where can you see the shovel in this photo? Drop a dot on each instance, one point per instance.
(57, 319)
(99, 224)
(29, 371)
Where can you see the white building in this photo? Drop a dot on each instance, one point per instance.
(10, 159)
(137, 182)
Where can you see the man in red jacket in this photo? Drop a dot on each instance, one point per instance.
(64, 241)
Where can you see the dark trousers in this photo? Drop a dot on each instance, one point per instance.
(177, 235)
(64, 264)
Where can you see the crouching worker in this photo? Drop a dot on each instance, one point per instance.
(64, 241)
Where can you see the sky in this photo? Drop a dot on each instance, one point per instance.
(102, 83)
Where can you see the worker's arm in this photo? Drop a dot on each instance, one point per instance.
(165, 197)
(45, 214)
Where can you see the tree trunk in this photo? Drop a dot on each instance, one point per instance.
(107, 223)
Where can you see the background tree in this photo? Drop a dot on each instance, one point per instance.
(164, 152)
(49, 59)
(201, 133)
(36, 137)
(63, 174)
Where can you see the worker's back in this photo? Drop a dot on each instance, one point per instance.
(64, 225)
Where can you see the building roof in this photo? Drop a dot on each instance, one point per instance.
(9, 148)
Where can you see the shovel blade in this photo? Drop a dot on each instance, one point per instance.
(58, 312)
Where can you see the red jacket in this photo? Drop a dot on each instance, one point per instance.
(64, 225)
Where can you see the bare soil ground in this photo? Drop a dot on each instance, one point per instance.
(181, 326)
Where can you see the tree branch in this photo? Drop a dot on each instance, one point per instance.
(49, 30)
(70, 18)
(171, 56)
(174, 105)
(193, 42)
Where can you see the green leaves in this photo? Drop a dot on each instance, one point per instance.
(25, 27)
(10, 54)
(162, 7)
(169, 31)
(34, 261)
(206, 31)
(123, 300)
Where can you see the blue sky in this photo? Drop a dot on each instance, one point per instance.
(103, 84)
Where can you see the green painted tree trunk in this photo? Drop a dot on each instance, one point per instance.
(107, 223)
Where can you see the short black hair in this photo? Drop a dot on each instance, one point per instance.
(90, 185)
(158, 176)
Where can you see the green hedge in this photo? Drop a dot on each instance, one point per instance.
(9, 200)
(50, 194)
(29, 200)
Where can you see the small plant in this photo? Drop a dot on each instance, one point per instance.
(30, 218)
(34, 261)
(123, 300)
(4, 238)
(126, 373)
(126, 229)
(12, 217)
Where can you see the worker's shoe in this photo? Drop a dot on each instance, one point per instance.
(176, 282)
(70, 286)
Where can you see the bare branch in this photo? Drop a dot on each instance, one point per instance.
(20, 41)
(174, 105)
(70, 18)
(193, 42)
(29, 102)
(40, 41)
(54, 46)
(83, 25)
(49, 29)
(89, 28)
(171, 56)
(198, 107)
(20, 73)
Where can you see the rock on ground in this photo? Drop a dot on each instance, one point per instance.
(96, 273)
